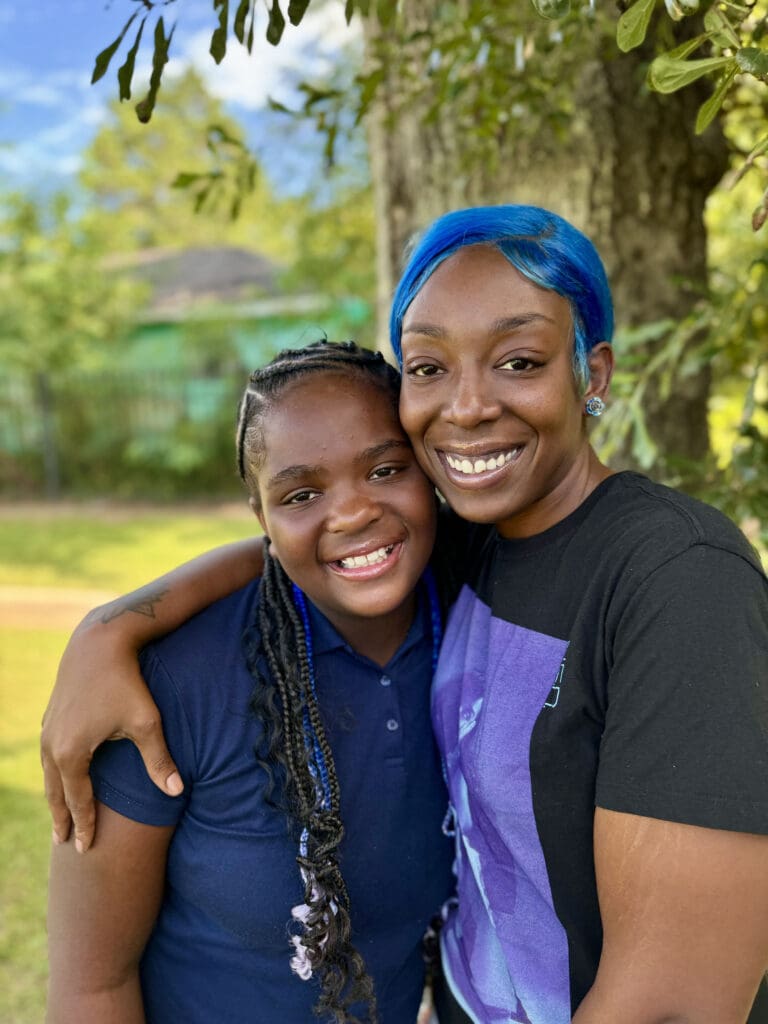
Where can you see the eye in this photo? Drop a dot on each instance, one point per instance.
(300, 497)
(423, 370)
(382, 472)
(518, 364)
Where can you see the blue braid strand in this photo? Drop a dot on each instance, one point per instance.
(436, 617)
(312, 741)
(449, 821)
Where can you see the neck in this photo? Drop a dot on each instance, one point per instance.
(574, 489)
(379, 637)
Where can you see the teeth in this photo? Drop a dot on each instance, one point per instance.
(372, 558)
(481, 465)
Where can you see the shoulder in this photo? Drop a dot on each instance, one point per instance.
(211, 633)
(202, 666)
(641, 525)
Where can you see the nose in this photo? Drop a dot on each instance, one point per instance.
(471, 400)
(352, 510)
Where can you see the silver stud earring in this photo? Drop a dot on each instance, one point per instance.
(594, 406)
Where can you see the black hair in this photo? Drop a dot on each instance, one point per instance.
(267, 384)
(295, 748)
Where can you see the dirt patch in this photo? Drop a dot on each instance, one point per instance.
(47, 607)
(121, 511)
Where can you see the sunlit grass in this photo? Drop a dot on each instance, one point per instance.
(108, 551)
(92, 551)
(28, 660)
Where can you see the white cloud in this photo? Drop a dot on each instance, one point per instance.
(52, 89)
(310, 48)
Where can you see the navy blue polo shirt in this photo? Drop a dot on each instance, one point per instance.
(220, 948)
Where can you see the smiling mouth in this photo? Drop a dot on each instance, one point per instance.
(370, 564)
(481, 467)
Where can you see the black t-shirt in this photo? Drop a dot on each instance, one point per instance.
(619, 660)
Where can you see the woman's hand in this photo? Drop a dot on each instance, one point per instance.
(99, 695)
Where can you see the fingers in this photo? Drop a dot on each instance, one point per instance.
(54, 794)
(69, 794)
(82, 807)
(161, 768)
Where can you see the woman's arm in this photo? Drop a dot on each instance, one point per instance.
(100, 695)
(685, 922)
(101, 910)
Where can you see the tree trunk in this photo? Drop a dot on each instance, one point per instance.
(46, 408)
(629, 172)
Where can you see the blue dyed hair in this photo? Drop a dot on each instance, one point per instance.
(543, 247)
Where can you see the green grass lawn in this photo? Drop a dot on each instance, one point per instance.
(89, 550)
(111, 551)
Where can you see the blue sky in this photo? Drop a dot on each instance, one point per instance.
(49, 111)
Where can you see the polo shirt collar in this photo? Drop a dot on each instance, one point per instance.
(326, 639)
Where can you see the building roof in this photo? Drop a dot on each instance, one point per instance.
(181, 278)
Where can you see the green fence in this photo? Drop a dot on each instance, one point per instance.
(129, 434)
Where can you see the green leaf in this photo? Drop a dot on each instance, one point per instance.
(643, 447)
(202, 196)
(102, 60)
(296, 10)
(753, 61)
(218, 46)
(125, 72)
(369, 85)
(667, 75)
(709, 109)
(218, 133)
(551, 9)
(159, 59)
(633, 25)
(356, 5)
(276, 24)
(721, 30)
(186, 178)
(277, 106)
(249, 43)
(240, 16)
(682, 51)
(329, 149)
(385, 12)
(760, 213)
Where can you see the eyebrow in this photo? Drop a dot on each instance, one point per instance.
(302, 470)
(502, 326)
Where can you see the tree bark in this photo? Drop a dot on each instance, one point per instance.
(629, 171)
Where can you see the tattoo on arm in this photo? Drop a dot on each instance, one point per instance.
(142, 602)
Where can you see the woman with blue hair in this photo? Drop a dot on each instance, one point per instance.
(600, 700)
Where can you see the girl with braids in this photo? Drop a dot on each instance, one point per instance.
(187, 907)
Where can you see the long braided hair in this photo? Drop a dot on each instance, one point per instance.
(295, 749)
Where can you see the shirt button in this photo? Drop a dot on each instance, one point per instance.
(392, 724)
(385, 681)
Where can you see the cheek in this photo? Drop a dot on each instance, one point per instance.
(413, 416)
(427, 510)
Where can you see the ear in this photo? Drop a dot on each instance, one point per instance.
(600, 362)
(257, 511)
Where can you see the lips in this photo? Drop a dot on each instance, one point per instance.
(368, 562)
(478, 467)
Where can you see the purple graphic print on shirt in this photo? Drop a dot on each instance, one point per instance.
(506, 953)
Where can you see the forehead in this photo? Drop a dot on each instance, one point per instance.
(328, 412)
(477, 286)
